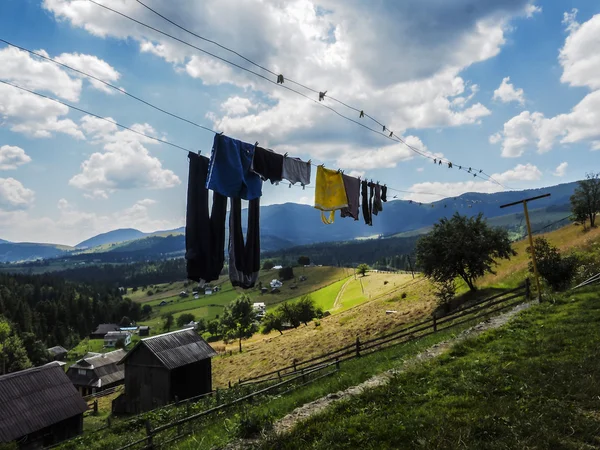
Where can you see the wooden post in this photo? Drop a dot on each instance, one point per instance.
(527, 288)
(95, 406)
(217, 395)
(533, 260)
(229, 384)
(434, 324)
(294, 364)
(357, 346)
(279, 375)
(337, 363)
(108, 421)
(149, 444)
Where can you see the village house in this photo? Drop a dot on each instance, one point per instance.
(40, 407)
(160, 369)
(112, 337)
(96, 373)
(144, 330)
(57, 353)
(102, 329)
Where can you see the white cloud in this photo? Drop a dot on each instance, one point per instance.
(570, 20)
(495, 138)
(561, 169)
(507, 93)
(11, 157)
(532, 9)
(14, 196)
(94, 66)
(520, 173)
(124, 164)
(235, 106)
(580, 56)
(420, 169)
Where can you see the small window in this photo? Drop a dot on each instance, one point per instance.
(82, 371)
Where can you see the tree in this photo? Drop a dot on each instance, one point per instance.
(13, 355)
(214, 327)
(304, 260)
(120, 343)
(557, 270)
(239, 319)
(168, 321)
(462, 246)
(362, 269)
(585, 201)
(289, 313)
(286, 273)
(268, 265)
(200, 325)
(36, 350)
(445, 291)
(125, 322)
(273, 320)
(146, 310)
(307, 310)
(184, 319)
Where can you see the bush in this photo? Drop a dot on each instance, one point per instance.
(286, 273)
(149, 292)
(404, 295)
(445, 292)
(184, 319)
(253, 424)
(385, 282)
(558, 271)
(146, 310)
(268, 265)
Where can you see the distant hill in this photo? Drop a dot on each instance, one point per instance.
(121, 235)
(25, 251)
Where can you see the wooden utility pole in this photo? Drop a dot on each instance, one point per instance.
(533, 260)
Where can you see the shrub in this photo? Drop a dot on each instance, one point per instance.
(385, 282)
(149, 292)
(445, 292)
(185, 318)
(286, 273)
(558, 271)
(404, 295)
(268, 265)
(253, 424)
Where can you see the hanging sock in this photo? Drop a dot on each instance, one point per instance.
(244, 258)
(377, 205)
(371, 194)
(365, 203)
(384, 193)
(204, 235)
(330, 193)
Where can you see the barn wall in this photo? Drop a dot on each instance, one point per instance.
(191, 380)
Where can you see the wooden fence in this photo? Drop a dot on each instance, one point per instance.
(313, 369)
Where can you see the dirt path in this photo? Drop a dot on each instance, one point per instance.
(309, 409)
(339, 296)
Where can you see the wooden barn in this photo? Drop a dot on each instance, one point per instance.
(39, 407)
(96, 373)
(164, 367)
(102, 329)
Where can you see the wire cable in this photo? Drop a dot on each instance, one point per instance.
(122, 91)
(390, 136)
(96, 116)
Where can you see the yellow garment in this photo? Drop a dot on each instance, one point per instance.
(330, 193)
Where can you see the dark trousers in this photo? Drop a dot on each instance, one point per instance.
(244, 258)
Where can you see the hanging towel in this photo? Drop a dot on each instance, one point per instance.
(330, 194)
(296, 171)
(204, 235)
(365, 203)
(229, 173)
(268, 164)
(377, 205)
(384, 193)
(244, 258)
(352, 186)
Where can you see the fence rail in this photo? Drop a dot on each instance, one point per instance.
(318, 365)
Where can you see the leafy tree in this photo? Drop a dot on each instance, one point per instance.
(146, 310)
(304, 260)
(286, 273)
(13, 355)
(214, 327)
(134, 289)
(558, 271)
(120, 343)
(273, 320)
(307, 310)
(125, 322)
(185, 318)
(168, 321)
(201, 325)
(268, 265)
(239, 319)
(579, 214)
(36, 350)
(362, 269)
(289, 313)
(586, 198)
(462, 246)
(444, 291)
(149, 292)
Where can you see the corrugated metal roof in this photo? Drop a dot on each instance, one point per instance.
(103, 370)
(36, 398)
(57, 350)
(104, 328)
(177, 348)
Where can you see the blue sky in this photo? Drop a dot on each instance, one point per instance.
(511, 87)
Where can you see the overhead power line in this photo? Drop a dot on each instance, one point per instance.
(384, 132)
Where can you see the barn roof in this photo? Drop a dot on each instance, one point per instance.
(36, 398)
(57, 350)
(104, 328)
(176, 349)
(104, 370)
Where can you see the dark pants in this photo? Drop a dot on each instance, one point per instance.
(204, 234)
(244, 258)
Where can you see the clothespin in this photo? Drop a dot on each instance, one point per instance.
(221, 133)
(449, 165)
(435, 160)
(474, 174)
(469, 170)
(280, 79)
(391, 133)
(459, 167)
(440, 162)
(322, 96)
(362, 114)
(480, 170)
(290, 185)
(395, 196)
(384, 128)
(285, 155)
(410, 201)
(303, 187)
(199, 152)
(309, 161)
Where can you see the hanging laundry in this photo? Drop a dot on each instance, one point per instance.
(352, 187)
(229, 173)
(330, 194)
(267, 164)
(244, 258)
(365, 203)
(296, 171)
(377, 205)
(371, 195)
(384, 193)
(204, 235)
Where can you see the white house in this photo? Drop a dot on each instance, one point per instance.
(260, 309)
(111, 338)
(276, 284)
(277, 267)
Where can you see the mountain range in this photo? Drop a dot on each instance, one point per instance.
(290, 224)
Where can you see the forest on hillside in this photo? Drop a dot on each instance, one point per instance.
(47, 310)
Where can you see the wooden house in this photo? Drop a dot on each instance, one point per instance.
(112, 337)
(96, 373)
(160, 369)
(57, 353)
(39, 407)
(102, 329)
(144, 330)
